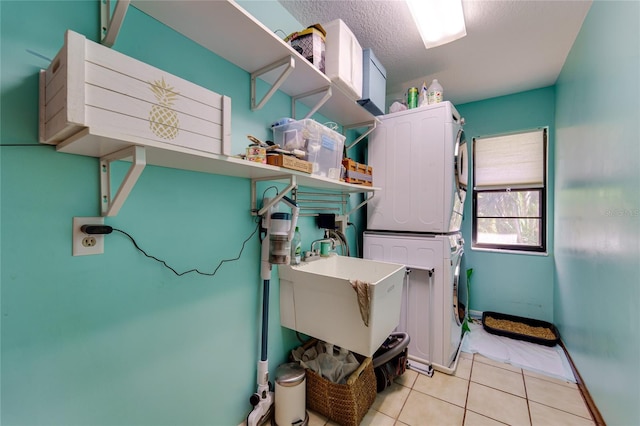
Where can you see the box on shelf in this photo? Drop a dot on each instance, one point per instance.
(310, 43)
(92, 88)
(374, 84)
(323, 146)
(357, 173)
(289, 162)
(343, 59)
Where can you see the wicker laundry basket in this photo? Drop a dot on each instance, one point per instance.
(345, 404)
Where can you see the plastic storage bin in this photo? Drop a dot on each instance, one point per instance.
(310, 43)
(374, 83)
(343, 58)
(322, 145)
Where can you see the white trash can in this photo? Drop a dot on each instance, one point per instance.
(290, 395)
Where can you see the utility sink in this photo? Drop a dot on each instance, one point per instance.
(317, 298)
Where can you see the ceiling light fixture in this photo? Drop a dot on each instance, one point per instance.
(439, 21)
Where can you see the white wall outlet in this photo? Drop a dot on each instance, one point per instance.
(85, 244)
(341, 223)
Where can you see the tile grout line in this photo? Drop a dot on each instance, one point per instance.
(526, 396)
(548, 382)
(490, 387)
(397, 418)
(564, 411)
(466, 399)
(497, 389)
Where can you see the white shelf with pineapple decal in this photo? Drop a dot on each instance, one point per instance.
(91, 87)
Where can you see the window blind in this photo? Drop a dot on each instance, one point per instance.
(512, 161)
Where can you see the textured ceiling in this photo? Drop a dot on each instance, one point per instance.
(511, 45)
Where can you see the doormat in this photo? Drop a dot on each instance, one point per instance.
(549, 361)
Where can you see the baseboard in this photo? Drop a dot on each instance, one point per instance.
(591, 405)
(475, 314)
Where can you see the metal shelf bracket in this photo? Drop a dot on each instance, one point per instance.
(110, 24)
(293, 184)
(327, 94)
(289, 62)
(110, 206)
(372, 126)
(368, 198)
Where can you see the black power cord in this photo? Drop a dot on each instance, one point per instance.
(105, 229)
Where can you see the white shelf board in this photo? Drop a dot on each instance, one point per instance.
(226, 29)
(90, 142)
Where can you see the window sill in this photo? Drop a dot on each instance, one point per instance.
(506, 251)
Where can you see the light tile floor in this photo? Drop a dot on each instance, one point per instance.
(482, 392)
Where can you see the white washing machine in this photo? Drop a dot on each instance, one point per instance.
(432, 313)
(419, 159)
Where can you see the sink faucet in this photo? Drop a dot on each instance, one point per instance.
(314, 253)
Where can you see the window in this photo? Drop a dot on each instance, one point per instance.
(510, 192)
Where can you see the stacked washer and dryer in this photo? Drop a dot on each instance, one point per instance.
(419, 158)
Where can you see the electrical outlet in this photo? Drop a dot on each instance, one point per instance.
(89, 241)
(85, 244)
(341, 223)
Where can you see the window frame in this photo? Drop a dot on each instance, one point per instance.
(543, 193)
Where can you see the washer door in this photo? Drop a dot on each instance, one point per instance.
(459, 309)
(461, 162)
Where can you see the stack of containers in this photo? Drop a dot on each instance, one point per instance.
(343, 64)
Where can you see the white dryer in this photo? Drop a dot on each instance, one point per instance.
(419, 159)
(432, 313)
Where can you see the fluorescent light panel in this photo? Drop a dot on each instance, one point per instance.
(439, 21)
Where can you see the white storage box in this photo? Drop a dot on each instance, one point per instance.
(92, 88)
(343, 58)
(374, 84)
(318, 299)
(322, 145)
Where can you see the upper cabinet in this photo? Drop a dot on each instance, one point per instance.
(232, 33)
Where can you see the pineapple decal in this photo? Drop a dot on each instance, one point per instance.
(163, 120)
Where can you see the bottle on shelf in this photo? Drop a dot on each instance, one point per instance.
(296, 247)
(435, 93)
(423, 99)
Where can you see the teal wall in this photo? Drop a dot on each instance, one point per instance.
(116, 338)
(597, 211)
(516, 284)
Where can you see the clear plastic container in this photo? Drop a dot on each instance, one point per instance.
(322, 145)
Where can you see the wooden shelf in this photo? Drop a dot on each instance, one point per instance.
(226, 29)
